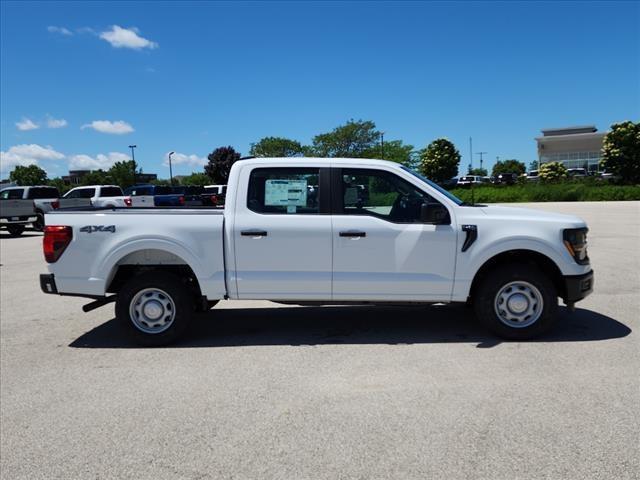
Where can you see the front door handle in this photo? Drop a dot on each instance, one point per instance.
(353, 233)
(253, 233)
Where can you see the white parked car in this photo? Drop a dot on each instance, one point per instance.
(403, 239)
(100, 196)
(472, 180)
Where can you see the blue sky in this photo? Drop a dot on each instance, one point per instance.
(189, 77)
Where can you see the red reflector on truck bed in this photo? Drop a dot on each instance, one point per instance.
(56, 239)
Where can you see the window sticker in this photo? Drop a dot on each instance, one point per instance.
(285, 193)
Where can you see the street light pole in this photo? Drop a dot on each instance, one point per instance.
(133, 158)
(382, 144)
(170, 169)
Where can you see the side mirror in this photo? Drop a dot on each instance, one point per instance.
(434, 213)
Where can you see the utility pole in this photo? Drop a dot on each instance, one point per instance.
(382, 144)
(133, 157)
(170, 169)
(481, 153)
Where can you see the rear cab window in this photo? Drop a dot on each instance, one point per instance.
(285, 191)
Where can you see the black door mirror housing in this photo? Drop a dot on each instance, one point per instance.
(434, 213)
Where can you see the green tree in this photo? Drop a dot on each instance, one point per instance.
(394, 150)
(480, 172)
(29, 175)
(220, 162)
(59, 184)
(96, 177)
(533, 165)
(121, 173)
(352, 139)
(508, 166)
(552, 171)
(440, 160)
(621, 151)
(163, 182)
(198, 179)
(276, 147)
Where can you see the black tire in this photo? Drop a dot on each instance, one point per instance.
(492, 284)
(39, 223)
(15, 230)
(177, 292)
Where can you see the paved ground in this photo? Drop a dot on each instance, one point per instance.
(260, 391)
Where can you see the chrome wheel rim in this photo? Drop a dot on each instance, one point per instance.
(152, 310)
(518, 304)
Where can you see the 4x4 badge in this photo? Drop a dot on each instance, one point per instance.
(98, 228)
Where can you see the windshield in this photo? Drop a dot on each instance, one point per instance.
(447, 194)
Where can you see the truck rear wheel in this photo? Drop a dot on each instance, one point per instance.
(517, 302)
(15, 230)
(154, 308)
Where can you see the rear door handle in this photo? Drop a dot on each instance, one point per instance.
(253, 233)
(353, 233)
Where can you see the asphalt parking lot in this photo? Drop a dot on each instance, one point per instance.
(260, 391)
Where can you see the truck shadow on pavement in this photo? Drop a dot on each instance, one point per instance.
(232, 327)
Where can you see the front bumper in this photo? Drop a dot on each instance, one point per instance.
(48, 283)
(577, 287)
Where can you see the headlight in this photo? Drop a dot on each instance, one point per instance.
(575, 239)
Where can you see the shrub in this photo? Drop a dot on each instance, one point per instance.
(549, 192)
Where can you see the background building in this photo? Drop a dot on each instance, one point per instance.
(575, 147)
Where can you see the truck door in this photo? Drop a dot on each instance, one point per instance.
(381, 248)
(282, 234)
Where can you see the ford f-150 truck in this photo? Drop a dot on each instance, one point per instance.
(320, 231)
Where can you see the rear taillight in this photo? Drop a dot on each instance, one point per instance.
(55, 204)
(127, 201)
(181, 200)
(56, 239)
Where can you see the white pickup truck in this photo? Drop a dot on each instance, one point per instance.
(320, 231)
(97, 195)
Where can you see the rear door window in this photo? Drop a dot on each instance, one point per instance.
(110, 192)
(13, 194)
(43, 192)
(284, 191)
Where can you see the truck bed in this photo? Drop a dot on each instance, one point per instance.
(106, 238)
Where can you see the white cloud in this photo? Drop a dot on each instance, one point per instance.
(86, 30)
(60, 30)
(120, 37)
(56, 123)
(100, 161)
(27, 124)
(105, 126)
(182, 159)
(26, 154)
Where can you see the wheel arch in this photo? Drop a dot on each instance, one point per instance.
(520, 256)
(149, 259)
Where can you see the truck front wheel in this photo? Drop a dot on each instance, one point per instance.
(517, 302)
(154, 308)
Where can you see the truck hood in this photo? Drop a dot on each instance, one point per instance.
(529, 214)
